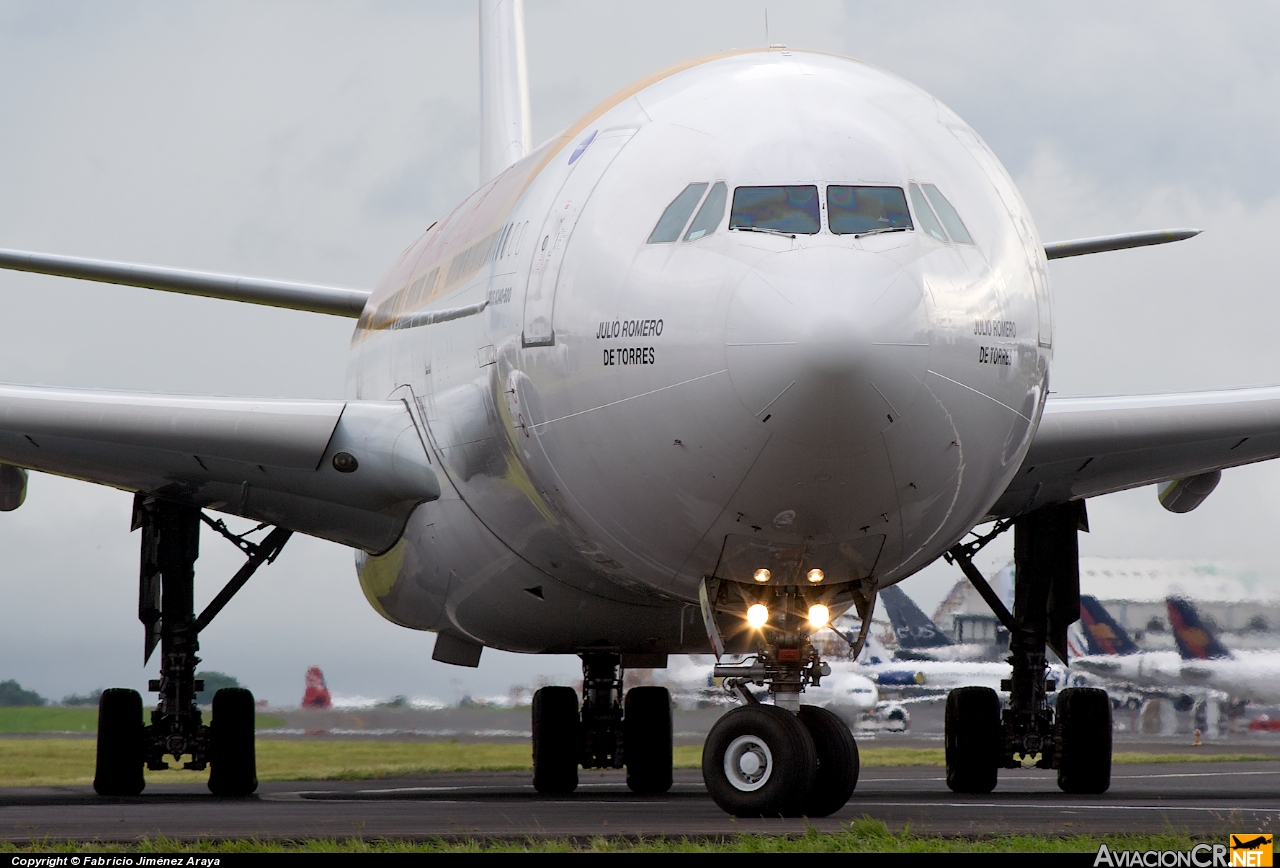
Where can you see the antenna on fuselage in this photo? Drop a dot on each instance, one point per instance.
(505, 127)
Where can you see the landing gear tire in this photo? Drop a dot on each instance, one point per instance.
(233, 762)
(557, 740)
(1084, 740)
(974, 736)
(759, 761)
(646, 740)
(120, 744)
(838, 765)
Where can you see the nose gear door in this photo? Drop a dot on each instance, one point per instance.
(589, 158)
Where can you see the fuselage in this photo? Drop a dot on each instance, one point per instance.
(622, 406)
(1249, 675)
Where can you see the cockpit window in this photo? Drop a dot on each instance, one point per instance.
(858, 210)
(793, 210)
(710, 214)
(948, 215)
(924, 214)
(672, 221)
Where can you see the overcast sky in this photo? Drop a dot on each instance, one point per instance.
(313, 141)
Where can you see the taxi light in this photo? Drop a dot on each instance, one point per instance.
(761, 575)
(757, 616)
(819, 615)
(816, 576)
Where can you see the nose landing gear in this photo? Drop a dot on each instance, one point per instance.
(1074, 738)
(784, 759)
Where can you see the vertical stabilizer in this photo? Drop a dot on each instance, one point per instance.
(913, 627)
(1102, 633)
(1195, 640)
(504, 87)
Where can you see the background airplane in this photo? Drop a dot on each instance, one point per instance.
(1252, 676)
(918, 637)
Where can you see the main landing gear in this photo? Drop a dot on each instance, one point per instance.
(607, 732)
(784, 759)
(1074, 738)
(170, 546)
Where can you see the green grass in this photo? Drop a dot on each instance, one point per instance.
(49, 719)
(865, 835)
(935, 756)
(56, 761)
(55, 718)
(64, 761)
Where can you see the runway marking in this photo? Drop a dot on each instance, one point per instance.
(1041, 805)
(1192, 775)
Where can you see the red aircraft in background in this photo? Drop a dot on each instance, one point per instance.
(317, 695)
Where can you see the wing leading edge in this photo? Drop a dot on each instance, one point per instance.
(334, 300)
(1085, 447)
(271, 460)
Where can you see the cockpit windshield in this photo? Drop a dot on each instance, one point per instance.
(793, 210)
(859, 210)
(672, 221)
(948, 215)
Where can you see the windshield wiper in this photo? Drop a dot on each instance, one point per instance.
(763, 229)
(880, 231)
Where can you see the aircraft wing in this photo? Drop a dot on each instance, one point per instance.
(272, 460)
(1085, 447)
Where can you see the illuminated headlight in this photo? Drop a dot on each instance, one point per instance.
(819, 615)
(757, 616)
(816, 576)
(761, 575)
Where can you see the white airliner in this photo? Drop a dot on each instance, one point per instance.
(756, 336)
(1201, 662)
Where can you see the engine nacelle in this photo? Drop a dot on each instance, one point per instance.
(1184, 495)
(13, 487)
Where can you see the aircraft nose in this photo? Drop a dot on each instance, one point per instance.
(827, 346)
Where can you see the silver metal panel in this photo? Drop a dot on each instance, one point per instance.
(1090, 446)
(282, 433)
(267, 459)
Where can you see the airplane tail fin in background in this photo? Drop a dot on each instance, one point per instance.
(1102, 634)
(913, 627)
(317, 693)
(505, 127)
(1195, 640)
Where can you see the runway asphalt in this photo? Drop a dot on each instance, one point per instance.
(1211, 799)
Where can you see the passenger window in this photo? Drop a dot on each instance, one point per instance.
(948, 215)
(792, 210)
(859, 210)
(672, 221)
(925, 214)
(710, 214)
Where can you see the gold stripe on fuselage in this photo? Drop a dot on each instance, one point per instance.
(460, 244)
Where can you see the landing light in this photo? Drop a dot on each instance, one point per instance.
(819, 615)
(816, 576)
(757, 616)
(761, 575)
